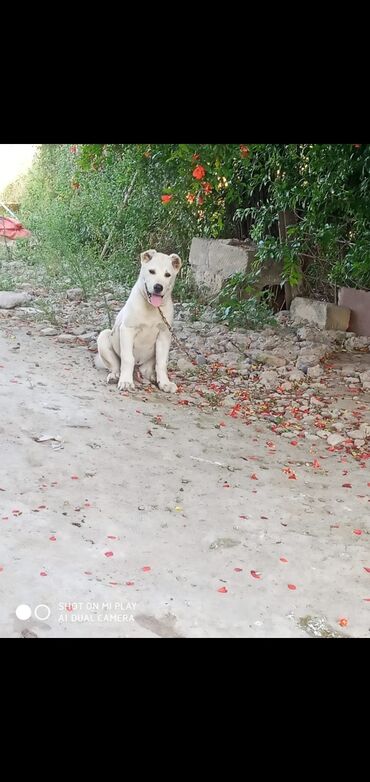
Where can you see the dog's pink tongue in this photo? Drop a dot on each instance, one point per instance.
(156, 300)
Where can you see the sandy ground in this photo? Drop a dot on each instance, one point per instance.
(145, 518)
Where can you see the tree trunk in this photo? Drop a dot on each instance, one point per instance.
(286, 219)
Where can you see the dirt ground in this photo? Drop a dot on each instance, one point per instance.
(145, 517)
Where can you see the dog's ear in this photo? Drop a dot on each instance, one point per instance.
(176, 261)
(147, 255)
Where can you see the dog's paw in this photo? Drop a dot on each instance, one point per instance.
(112, 378)
(125, 385)
(168, 388)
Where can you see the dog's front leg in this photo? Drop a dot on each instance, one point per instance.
(126, 378)
(161, 359)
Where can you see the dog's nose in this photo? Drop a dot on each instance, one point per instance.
(158, 288)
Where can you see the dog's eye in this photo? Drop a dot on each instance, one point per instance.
(167, 274)
(152, 271)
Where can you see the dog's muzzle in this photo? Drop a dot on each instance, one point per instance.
(155, 299)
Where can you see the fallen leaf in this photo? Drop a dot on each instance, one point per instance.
(347, 485)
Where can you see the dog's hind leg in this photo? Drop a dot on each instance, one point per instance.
(108, 356)
(147, 371)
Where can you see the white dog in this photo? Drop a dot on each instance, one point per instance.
(139, 337)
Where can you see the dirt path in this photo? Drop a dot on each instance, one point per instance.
(146, 518)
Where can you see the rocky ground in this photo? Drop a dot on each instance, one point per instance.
(293, 400)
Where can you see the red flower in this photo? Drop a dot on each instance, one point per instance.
(190, 198)
(244, 151)
(166, 198)
(200, 200)
(73, 149)
(207, 187)
(199, 172)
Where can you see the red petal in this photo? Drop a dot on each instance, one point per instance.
(130, 583)
(347, 485)
(357, 531)
(52, 537)
(146, 568)
(108, 553)
(282, 559)
(292, 586)
(43, 573)
(255, 574)
(238, 569)
(254, 477)
(367, 569)
(223, 590)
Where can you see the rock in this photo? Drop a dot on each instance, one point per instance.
(184, 365)
(48, 331)
(68, 338)
(267, 358)
(75, 294)
(322, 313)
(315, 371)
(296, 375)
(310, 358)
(269, 379)
(289, 352)
(357, 343)
(365, 376)
(11, 299)
(335, 439)
(214, 260)
(231, 358)
(353, 433)
(359, 303)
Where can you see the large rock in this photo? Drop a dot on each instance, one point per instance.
(10, 299)
(214, 260)
(359, 304)
(322, 313)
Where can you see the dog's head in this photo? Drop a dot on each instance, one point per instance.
(158, 275)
